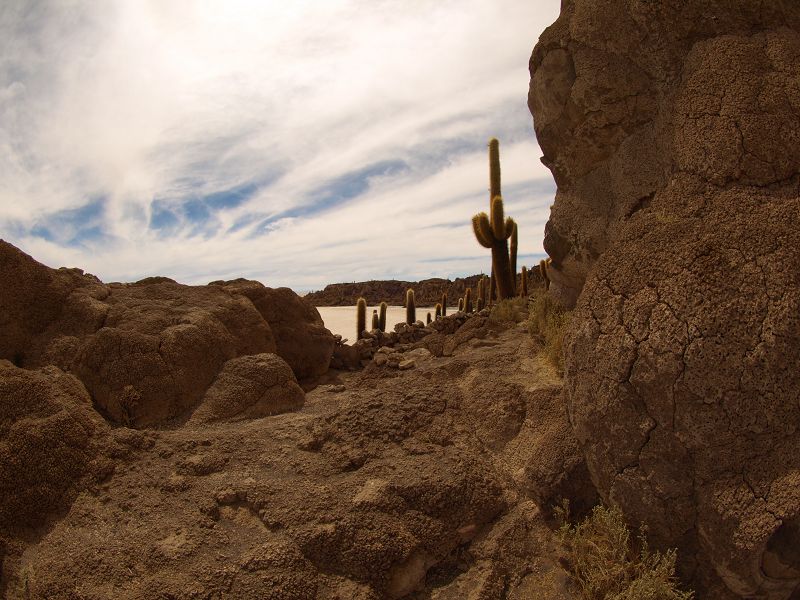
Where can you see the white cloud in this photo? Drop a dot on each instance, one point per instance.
(127, 102)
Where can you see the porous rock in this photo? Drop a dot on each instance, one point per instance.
(671, 129)
(301, 338)
(249, 387)
(50, 438)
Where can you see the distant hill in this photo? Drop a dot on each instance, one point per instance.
(426, 292)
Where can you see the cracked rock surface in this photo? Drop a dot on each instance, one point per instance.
(672, 130)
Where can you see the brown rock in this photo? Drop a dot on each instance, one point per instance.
(250, 387)
(50, 438)
(301, 338)
(672, 129)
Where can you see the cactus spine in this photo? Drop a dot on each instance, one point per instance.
(438, 310)
(468, 300)
(382, 317)
(543, 273)
(376, 321)
(524, 282)
(444, 304)
(493, 230)
(411, 309)
(460, 304)
(361, 318)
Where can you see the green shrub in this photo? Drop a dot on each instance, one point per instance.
(548, 322)
(602, 559)
(512, 309)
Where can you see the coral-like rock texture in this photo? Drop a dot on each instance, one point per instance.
(148, 351)
(673, 132)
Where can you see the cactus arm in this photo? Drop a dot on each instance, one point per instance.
(482, 229)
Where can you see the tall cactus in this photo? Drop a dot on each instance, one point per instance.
(411, 309)
(361, 317)
(493, 230)
(438, 310)
(376, 320)
(481, 291)
(513, 256)
(428, 321)
(524, 282)
(444, 304)
(382, 317)
(468, 300)
(492, 288)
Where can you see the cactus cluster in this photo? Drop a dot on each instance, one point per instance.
(494, 230)
(543, 272)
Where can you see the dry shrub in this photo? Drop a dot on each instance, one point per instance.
(548, 322)
(511, 309)
(602, 560)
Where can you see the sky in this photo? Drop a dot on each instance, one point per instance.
(297, 143)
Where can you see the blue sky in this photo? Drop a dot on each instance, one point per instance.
(298, 143)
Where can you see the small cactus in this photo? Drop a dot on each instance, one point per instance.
(479, 304)
(468, 300)
(444, 304)
(524, 282)
(513, 255)
(492, 288)
(376, 321)
(429, 319)
(361, 318)
(460, 304)
(481, 290)
(382, 317)
(411, 309)
(438, 311)
(543, 273)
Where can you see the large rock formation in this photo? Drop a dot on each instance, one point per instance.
(148, 351)
(673, 132)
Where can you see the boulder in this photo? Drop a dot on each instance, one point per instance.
(671, 129)
(50, 439)
(301, 338)
(250, 387)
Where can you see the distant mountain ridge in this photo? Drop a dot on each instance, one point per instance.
(427, 292)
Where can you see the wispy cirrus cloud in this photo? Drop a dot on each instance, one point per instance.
(302, 144)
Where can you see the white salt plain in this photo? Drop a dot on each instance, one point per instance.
(342, 319)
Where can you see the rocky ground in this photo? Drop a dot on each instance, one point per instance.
(420, 483)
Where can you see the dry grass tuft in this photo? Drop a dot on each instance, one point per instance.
(512, 309)
(548, 322)
(603, 562)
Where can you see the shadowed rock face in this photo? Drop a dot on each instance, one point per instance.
(148, 351)
(672, 130)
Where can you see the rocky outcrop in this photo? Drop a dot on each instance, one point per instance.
(301, 338)
(148, 351)
(672, 129)
(250, 387)
(50, 439)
